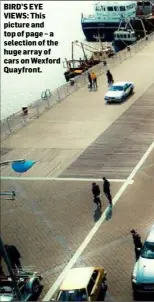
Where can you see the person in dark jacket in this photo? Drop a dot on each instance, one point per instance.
(95, 190)
(14, 256)
(90, 81)
(109, 77)
(137, 243)
(106, 189)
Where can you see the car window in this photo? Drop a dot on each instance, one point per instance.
(95, 275)
(90, 286)
(72, 295)
(148, 250)
(126, 86)
(116, 88)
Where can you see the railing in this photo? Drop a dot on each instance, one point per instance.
(37, 108)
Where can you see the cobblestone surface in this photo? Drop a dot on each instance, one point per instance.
(48, 221)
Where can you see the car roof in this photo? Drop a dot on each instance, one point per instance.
(77, 278)
(120, 83)
(150, 237)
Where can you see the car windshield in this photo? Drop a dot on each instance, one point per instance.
(148, 250)
(73, 295)
(116, 88)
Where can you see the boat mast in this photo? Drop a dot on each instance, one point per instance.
(85, 57)
(73, 53)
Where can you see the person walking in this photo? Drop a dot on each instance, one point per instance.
(94, 80)
(106, 189)
(90, 81)
(96, 194)
(14, 256)
(95, 190)
(109, 78)
(137, 243)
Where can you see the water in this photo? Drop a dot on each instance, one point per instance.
(64, 19)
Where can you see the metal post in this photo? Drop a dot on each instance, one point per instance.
(58, 95)
(7, 261)
(37, 109)
(9, 127)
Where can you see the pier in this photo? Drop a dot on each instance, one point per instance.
(76, 139)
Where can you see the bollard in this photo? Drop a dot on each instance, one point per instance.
(37, 110)
(59, 98)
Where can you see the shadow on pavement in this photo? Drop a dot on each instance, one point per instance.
(97, 215)
(108, 213)
(144, 297)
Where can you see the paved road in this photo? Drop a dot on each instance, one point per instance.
(49, 220)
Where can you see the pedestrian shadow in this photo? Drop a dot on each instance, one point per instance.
(97, 214)
(108, 213)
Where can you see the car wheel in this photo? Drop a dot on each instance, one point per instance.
(131, 91)
(135, 296)
(35, 287)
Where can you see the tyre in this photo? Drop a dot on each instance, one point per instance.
(131, 91)
(135, 296)
(35, 287)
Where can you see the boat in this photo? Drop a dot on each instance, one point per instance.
(98, 53)
(124, 37)
(109, 14)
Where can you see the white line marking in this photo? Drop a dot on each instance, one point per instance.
(93, 231)
(63, 179)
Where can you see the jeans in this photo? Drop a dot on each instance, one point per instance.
(108, 196)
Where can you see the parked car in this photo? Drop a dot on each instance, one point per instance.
(28, 284)
(143, 273)
(82, 284)
(119, 91)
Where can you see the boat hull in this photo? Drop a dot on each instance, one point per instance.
(106, 30)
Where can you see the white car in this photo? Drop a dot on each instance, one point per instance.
(119, 91)
(143, 273)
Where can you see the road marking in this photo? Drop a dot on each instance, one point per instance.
(93, 231)
(63, 179)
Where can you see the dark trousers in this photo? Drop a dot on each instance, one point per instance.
(95, 83)
(110, 82)
(108, 196)
(16, 264)
(90, 85)
(137, 253)
(98, 202)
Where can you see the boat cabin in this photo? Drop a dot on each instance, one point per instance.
(125, 35)
(103, 54)
(111, 11)
(144, 8)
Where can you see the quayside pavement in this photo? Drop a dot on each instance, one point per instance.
(60, 135)
(52, 221)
